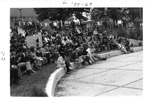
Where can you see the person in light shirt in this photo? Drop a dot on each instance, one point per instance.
(63, 63)
(96, 55)
(60, 62)
(90, 54)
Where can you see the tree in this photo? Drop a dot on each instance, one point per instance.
(114, 13)
(135, 13)
(124, 14)
(98, 13)
(59, 13)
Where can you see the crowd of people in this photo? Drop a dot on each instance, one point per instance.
(64, 47)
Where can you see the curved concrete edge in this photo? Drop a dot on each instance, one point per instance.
(59, 73)
(138, 48)
(53, 80)
(118, 52)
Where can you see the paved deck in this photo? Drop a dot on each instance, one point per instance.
(120, 75)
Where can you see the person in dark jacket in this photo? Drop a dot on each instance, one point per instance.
(15, 72)
(74, 56)
(83, 53)
(67, 62)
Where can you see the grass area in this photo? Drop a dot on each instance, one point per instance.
(34, 84)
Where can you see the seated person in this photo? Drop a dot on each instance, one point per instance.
(38, 52)
(83, 54)
(15, 72)
(53, 53)
(128, 45)
(42, 58)
(60, 62)
(120, 46)
(74, 56)
(33, 55)
(76, 59)
(63, 62)
(23, 61)
(96, 55)
(90, 54)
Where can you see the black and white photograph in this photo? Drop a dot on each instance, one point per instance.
(74, 51)
(85, 51)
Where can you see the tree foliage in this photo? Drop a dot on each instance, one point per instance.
(135, 13)
(117, 13)
(127, 15)
(59, 13)
(96, 14)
